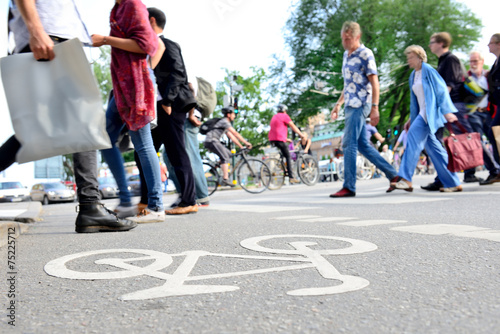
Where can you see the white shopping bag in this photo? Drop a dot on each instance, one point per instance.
(55, 106)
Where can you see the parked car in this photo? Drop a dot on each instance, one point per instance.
(51, 192)
(134, 184)
(107, 187)
(13, 191)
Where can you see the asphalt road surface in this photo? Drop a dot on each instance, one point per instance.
(286, 261)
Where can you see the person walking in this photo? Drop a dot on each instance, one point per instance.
(480, 120)
(361, 97)
(132, 39)
(451, 70)
(37, 26)
(494, 95)
(430, 108)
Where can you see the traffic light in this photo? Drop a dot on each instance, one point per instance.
(236, 105)
(396, 130)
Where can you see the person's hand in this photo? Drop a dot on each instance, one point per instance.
(98, 40)
(42, 46)
(407, 125)
(194, 120)
(249, 146)
(374, 116)
(288, 140)
(450, 117)
(335, 112)
(168, 110)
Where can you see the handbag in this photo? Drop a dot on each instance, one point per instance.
(55, 106)
(465, 151)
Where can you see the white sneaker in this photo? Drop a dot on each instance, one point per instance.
(148, 216)
(125, 211)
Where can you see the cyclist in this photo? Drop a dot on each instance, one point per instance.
(304, 143)
(212, 141)
(278, 136)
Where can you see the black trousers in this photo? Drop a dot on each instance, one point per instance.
(170, 133)
(283, 147)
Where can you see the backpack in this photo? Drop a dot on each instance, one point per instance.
(209, 125)
(206, 98)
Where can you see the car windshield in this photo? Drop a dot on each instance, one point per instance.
(107, 180)
(55, 185)
(10, 185)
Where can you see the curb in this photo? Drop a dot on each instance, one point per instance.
(10, 229)
(16, 225)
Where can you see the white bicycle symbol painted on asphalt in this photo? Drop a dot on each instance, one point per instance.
(304, 256)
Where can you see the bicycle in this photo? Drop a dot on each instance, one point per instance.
(306, 168)
(252, 175)
(364, 168)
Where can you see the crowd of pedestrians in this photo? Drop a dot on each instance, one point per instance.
(142, 58)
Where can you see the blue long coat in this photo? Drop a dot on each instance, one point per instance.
(437, 98)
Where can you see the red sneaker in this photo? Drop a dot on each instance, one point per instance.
(344, 192)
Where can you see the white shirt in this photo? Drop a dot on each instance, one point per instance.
(59, 18)
(418, 90)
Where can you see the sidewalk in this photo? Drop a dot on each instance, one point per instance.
(17, 216)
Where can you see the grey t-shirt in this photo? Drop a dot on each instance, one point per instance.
(59, 18)
(220, 128)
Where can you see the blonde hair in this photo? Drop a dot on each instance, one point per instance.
(352, 27)
(443, 37)
(418, 51)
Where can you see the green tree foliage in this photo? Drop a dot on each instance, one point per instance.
(102, 72)
(255, 112)
(389, 26)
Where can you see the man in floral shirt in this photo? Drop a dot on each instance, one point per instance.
(361, 96)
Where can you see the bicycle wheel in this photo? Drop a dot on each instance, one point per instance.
(277, 173)
(365, 169)
(254, 176)
(308, 170)
(340, 170)
(212, 177)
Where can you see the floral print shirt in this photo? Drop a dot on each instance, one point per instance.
(355, 69)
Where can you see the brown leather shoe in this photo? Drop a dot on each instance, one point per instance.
(141, 206)
(182, 210)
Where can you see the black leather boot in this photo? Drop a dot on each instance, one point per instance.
(94, 217)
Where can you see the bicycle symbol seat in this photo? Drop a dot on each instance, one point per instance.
(299, 254)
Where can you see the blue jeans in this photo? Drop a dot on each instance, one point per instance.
(420, 136)
(143, 144)
(354, 140)
(193, 151)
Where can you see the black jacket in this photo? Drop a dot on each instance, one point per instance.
(171, 77)
(494, 83)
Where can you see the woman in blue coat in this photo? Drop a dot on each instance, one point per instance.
(430, 109)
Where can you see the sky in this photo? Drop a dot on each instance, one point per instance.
(216, 34)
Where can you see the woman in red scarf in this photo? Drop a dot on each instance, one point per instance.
(132, 39)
